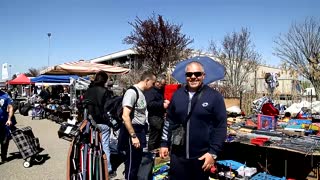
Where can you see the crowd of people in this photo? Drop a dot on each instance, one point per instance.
(7, 118)
(190, 128)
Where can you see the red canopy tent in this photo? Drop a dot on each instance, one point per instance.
(21, 79)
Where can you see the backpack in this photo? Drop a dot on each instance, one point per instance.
(113, 110)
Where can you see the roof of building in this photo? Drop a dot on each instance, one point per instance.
(115, 55)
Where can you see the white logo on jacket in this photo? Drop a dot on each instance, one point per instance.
(205, 104)
(1, 102)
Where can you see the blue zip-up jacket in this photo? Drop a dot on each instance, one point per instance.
(206, 129)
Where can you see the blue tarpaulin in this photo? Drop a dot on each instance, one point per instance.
(54, 78)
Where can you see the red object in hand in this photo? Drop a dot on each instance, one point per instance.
(213, 169)
(169, 90)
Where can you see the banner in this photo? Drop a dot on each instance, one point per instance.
(5, 74)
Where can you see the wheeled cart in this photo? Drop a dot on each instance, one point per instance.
(27, 144)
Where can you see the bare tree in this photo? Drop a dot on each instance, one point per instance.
(14, 76)
(240, 59)
(300, 47)
(32, 72)
(159, 42)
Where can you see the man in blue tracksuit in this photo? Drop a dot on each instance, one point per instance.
(193, 152)
(6, 121)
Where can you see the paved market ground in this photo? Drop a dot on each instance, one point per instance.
(55, 151)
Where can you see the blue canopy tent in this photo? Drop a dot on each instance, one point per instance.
(53, 78)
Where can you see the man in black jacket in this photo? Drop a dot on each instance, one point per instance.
(156, 106)
(96, 95)
(197, 138)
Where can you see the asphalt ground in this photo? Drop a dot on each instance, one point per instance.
(54, 152)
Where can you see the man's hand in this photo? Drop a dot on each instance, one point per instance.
(164, 152)
(208, 161)
(135, 142)
(166, 104)
(9, 122)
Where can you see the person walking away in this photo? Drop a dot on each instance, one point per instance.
(196, 127)
(135, 126)
(9, 93)
(15, 94)
(156, 106)
(97, 95)
(6, 121)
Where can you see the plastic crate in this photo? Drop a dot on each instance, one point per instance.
(262, 176)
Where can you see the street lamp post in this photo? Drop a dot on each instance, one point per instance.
(9, 67)
(49, 35)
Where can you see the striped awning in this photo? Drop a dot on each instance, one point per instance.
(83, 68)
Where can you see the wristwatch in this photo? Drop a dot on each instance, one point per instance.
(133, 135)
(214, 156)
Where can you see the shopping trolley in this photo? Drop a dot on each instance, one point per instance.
(27, 144)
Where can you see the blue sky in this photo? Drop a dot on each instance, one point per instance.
(83, 29)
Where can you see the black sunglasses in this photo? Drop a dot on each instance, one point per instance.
(196, 74)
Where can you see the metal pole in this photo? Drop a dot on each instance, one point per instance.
(311, 101)
(255, 82)
(49, 35)
(285, 168)
(9, 66)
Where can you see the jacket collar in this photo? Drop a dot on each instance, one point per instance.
(199, 90)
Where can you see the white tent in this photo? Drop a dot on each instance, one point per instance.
(234, 109)
(296, 107)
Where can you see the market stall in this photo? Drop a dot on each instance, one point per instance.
(23, 80)
(276, 141)
(54, 78)
(293, 158)
(83, 68)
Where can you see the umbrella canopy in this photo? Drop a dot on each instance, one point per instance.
(20, 80)
(214, 70)
(83, 68)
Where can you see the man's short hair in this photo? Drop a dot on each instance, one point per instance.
(100, 79)
(160, 78)
(287, 114)
(194, 62)
(146, 75)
